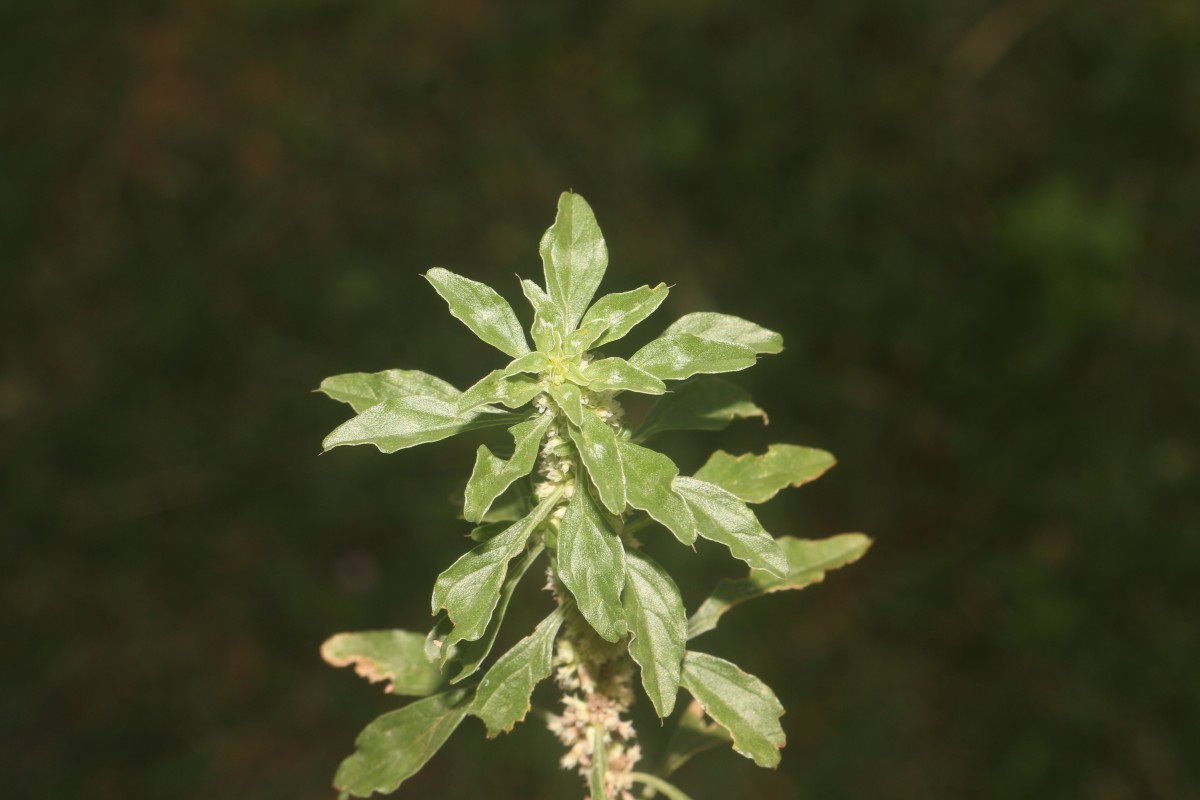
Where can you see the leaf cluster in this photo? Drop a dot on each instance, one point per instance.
(576, 486)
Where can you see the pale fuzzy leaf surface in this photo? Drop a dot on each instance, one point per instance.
(492, 475)
(721, 517)
(513, 391)
(729, 329)
(654, 612)
(574, 257)
(502, 698)
(365, 389)
(597, 446)
(699, 404)
(571, 371)
(569, 399)
(617, 314)
(591, 564)
(396, 745)
(395, 656)
(584, 337)
(409, 421)
(692, 735)
(548, 321)
(649, 477)
(619, 375)
(808, 561)
(480, 308)
(470, 588)
(673, 357)
(758, 478)
(740, 703)
(534, 363)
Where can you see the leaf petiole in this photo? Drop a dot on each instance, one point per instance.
(654, 784)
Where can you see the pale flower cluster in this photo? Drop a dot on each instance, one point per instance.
(605, 406)
(557, 471)
(597, 692)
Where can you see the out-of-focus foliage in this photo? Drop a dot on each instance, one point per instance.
(977, 223)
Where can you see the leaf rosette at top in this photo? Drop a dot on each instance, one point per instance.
(598, 483)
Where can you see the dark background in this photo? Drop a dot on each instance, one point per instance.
(975, 223)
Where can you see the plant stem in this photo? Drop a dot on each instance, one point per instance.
(597, 781)
(658, 784)
(636, 525)
(596, 676)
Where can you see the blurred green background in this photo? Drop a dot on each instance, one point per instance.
(976, 223)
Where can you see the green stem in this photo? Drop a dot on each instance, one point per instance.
(658, 784)
(599, 764)
(637, 525)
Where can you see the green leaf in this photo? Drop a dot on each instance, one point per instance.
(470, 588)
(548, 321)
(575, 257)
(649, 476)
(721, 517)
(591, 563)
(616, 314)
(365, 389)
(740, 703)
(486, 313)
(699, 404)
(513, 391)
(396, 424)
(619, 375)
(583, 337)
(808, 561)
(492, 476)
(654, 611)
(395, 656)
(512, 505)
(569, 399)
(395, 746)
(502, 699)
(597, 446)
(535, 362)
(470, 655)
(692, 736)
(727, 329)
(680, 355)
(572, 372)
(756, 479)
